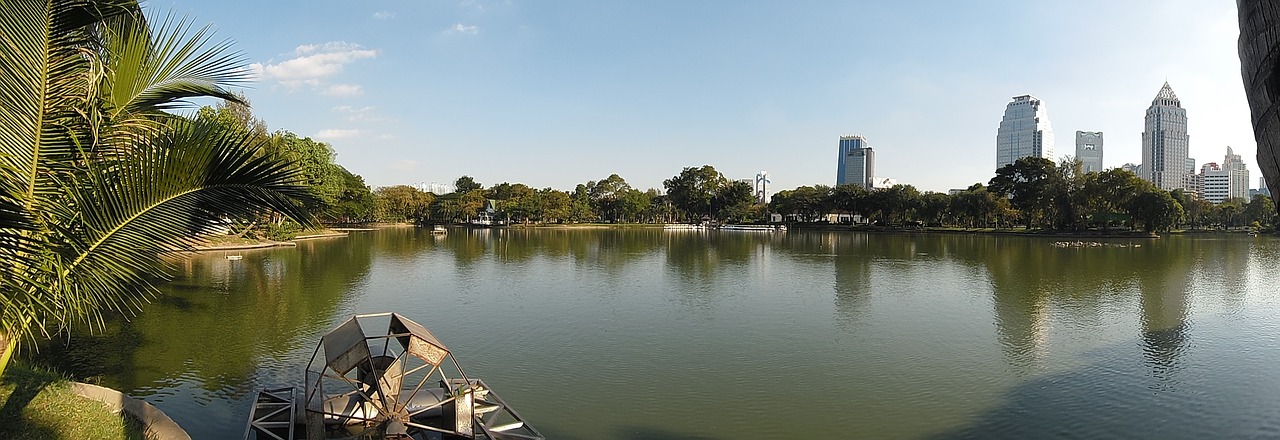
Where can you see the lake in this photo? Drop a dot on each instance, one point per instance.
(642, 333)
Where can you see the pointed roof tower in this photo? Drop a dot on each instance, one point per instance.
(1166, 97)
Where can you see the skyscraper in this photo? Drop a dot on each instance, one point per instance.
(1165, 142)
(857, 163)
(1089, 150)
(1238, 175)
(1024, 131)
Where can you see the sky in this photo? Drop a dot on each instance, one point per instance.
(555, 93)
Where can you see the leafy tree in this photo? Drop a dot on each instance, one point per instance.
(315, 160)
(934, 208)
(236, 116)
(1155, 210)
(97, 178)
(850, 199)
(733, 201)
(403, 203)
(1262, 210)
(356, 203)
(466, 184)
(693, 190)
(606, 196)
(1026, 182)
(554, 205)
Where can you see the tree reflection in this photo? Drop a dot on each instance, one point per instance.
(220, 317)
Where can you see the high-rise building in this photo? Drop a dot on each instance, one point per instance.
(1024, 131)
(1089, 151)
(857, 164)
(1237, 175)
(1165, 142)
(1217, 183)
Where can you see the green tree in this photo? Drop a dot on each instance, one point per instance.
(466, 184)
(98, 179)
(554, 205)
(733, 201)
(1262, 210)
(606, 197)
(1155, 211)
(850, 199)
(934, 208)
(1026, 182)
(316, 162)
(356, 203)
(403, 203)
(693, 190)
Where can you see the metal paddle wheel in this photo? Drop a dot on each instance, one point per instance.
(402, 384)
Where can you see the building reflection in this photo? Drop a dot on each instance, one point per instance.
(1163, 284)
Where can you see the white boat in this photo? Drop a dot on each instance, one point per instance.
(439, 230)
(683, 227)
(756, 228)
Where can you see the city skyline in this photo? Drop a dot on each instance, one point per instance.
(558, 94)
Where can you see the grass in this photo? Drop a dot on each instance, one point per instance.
(39, 405)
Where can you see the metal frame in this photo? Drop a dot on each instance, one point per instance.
(374, 381)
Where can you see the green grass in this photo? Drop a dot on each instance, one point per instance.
(39, 405)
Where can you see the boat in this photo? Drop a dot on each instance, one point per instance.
(234, 257)
(683, 227)
(439, 230)
(757, 228)
(400, 384)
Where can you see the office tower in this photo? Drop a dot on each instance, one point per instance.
(1024, 131)
(1089, 151)
(1237, 175)
(1217, 183)
(1165, 142)
(857, 163)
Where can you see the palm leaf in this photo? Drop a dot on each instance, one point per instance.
(162, 196)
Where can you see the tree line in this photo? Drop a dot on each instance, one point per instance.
(693, 195)
(1034, 193)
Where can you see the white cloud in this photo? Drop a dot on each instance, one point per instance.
(312, 64)
(354, 114)
(343, 90)
(463, 29)
(403, 165)
(384, 15)
(334, 133)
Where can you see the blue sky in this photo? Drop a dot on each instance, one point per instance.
(555, 93)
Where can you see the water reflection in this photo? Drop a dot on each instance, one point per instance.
(219, 325)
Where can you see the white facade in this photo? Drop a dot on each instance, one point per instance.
(1089, 151)
(883, 183)
(1165, 142)
(1024, 131)
(1237, 175)
(1217, 183)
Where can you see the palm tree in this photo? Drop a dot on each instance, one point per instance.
(96, 178)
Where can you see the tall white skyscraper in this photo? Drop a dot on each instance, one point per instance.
(1238, 175)
(1089, 150)
(1024, 131)
(857, 164)
(1165, 142)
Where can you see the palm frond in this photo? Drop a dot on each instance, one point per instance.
(161, 196)
(148, 71)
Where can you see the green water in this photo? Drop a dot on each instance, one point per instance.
(652, 334)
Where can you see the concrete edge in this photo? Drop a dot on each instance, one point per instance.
(158, 425)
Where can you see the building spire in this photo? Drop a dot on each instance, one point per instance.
(1166, 93)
